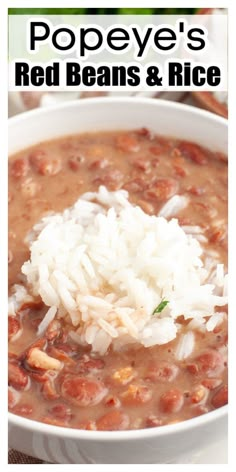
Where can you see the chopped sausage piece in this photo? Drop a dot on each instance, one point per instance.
(162, 371)
(172, 401)
(114, 420)
(194, 152)
(82, 391)
(17, 377)
(38, 359)
(19, 168)
(162, 189)
(136, 395)
(221, 397)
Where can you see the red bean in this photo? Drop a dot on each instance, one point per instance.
(88, 425)
(180, 171)
(162, 371)
(114, 420)
(210, 362)
(220, 398)
(136, 395)
(153, 421)
(127, 143)
(112, 179)
(54, 421)
(212, 383)
(75, 162)
(218, 235)
(44, 164)
(172, 401)
(60, 411)
(19, 168)
(82, 391)
(193, 152)
(112, 400)
(192, 368)
(144, 133)
(162, 189)
(89, 364)
(13, 326)
(156, 150)
(23, 410)
(36, 157)
(142, 164)
(196, 190)
(17, 377)
(136, 185)
(99, 164)
(155, 162)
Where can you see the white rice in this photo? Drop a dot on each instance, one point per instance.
(173, 206)
(50, 315)
(185, 346)
(105, 265)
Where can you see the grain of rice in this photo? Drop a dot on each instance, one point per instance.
(50, 315)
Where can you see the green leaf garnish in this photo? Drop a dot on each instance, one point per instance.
(161, 306)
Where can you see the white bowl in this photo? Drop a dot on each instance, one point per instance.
(178, 443)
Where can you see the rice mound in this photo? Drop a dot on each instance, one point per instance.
(105, 266)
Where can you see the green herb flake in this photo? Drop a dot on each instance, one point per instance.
(161, 306)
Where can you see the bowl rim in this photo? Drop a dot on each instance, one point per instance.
(89, 102)
(132, 434)
(124, 435)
